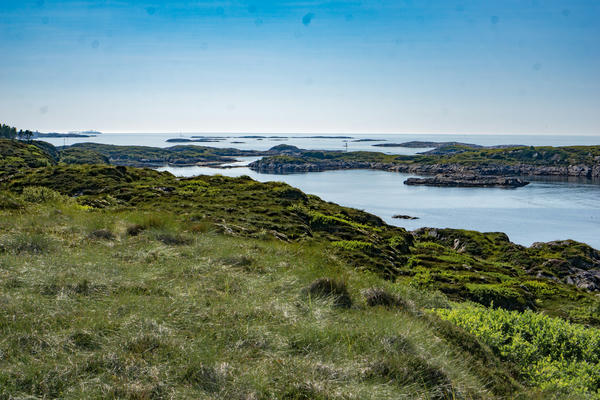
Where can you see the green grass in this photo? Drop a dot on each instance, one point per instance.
(213, 317)
(16, 156)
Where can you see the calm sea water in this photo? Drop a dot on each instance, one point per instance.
(544, 210)
(547, 209)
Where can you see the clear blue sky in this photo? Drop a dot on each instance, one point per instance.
(404, 66)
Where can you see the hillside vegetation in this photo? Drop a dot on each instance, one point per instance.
(461, 155)
(119, 282)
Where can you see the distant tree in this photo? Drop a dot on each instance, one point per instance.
(8, 132)
(25, 134)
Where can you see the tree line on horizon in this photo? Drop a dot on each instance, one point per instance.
(10, 132)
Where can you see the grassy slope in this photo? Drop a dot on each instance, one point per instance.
(87, 315)
(15, 156)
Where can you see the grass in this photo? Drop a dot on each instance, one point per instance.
(214, 317)
(118, 282)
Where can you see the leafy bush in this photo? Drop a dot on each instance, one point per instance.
(422, 279)
(540, 288)
(551, 353)
(506, 297)
(40, 194)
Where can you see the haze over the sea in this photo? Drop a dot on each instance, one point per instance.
(468, 66)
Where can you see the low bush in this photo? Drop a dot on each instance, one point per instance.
(40, 194)
(551, 353)
(502, 296)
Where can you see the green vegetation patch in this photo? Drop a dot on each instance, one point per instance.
(92, 311)
(16, 156)
(552, 354)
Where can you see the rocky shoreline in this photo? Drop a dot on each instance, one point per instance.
(467, 181)
(276, 167)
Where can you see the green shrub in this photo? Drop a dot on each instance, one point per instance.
(502, 296)
(540, 288)
(422, 279)
(401, 243)
(40, 194)
(551, 353)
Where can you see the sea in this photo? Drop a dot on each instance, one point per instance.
(545, 210)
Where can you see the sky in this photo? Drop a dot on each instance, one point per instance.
(385, 66)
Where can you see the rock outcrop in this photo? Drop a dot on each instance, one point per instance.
(276, 166)
(467, 181)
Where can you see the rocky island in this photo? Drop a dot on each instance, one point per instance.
(153, 157)
(455, 160)
(419, 144)
(467, 181)
(186, 140)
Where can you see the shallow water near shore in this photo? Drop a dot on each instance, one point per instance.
(544, 210)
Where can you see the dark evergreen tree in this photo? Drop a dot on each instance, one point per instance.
(8, 132)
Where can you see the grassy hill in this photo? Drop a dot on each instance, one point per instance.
(119, 282)
(16, 155)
